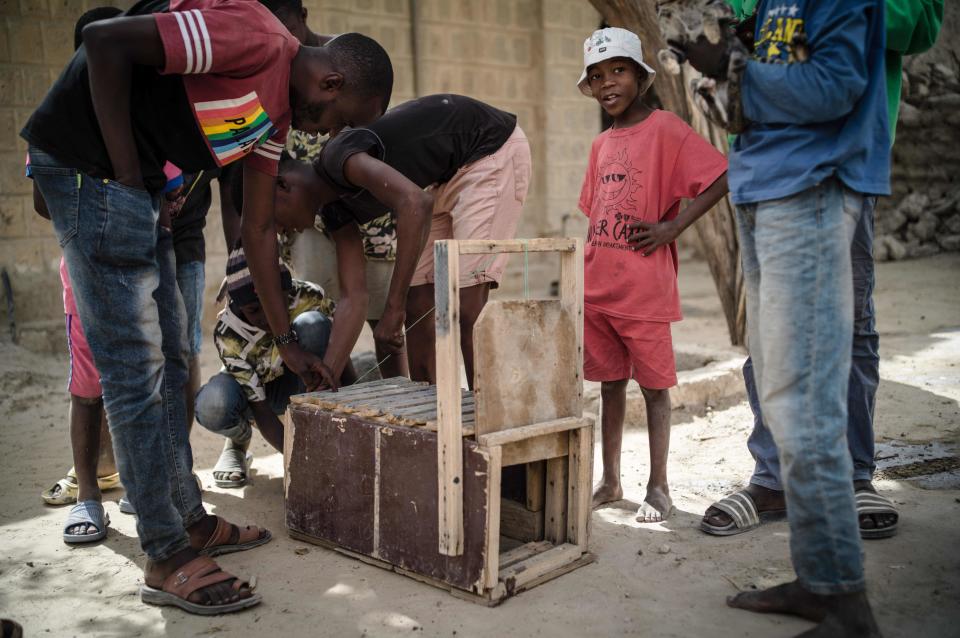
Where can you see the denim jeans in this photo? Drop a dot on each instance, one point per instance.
(864, 372)
(123, 272)
(190, 281)
(222, 406)
(797, 272)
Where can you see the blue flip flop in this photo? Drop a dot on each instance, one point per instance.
(91, 513)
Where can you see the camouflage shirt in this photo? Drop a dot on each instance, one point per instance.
(379, 235)
(248, 353)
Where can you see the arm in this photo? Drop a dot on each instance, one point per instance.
(648, 237)
(414, 209)
(260, 246)
(229, 215)
(351, 309)
(113, 47)
(821, 89)
(270, 426)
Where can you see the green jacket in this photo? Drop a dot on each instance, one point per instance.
(912, 27)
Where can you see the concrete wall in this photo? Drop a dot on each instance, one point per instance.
(523, 56)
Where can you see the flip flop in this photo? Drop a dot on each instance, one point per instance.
(740, 507)
(869, 502)
(219, 543)
(91, 513)
(232, 460)
(199, 573)
(646, 508)
(64, 491)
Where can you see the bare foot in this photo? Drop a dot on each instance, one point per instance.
(656, 507)
(839, 615)
(765, 499)
(607, 492)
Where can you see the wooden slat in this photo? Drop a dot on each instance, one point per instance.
(529, 431)
(517, 522)
(350, 389)
(449, 433)
(536, 482)
(538, 245)
(571, 298)
(555, 500)
(519, 574)
(524, 552)
(547, 446)
(579, 474)
(491, 568)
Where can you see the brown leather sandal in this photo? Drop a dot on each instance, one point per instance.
(199, 573)
(219, 542)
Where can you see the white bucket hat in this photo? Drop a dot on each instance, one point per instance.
(612, 42)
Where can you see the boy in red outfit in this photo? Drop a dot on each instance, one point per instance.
(639, 170)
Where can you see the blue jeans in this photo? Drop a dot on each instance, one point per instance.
(797, 271)
(222, 405)
(191, 280)
(123, 272)
(864, 373)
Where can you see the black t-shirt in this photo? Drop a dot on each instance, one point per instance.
(164, 128)
(188, 242)
(427, 140)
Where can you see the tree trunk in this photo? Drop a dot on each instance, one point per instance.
(716, 231)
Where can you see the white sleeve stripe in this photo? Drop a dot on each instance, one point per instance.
(206, 41)
(195, 39)
(261, 151)
(188, 49)
(273, 146)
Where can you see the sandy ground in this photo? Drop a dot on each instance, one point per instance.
(649, 580)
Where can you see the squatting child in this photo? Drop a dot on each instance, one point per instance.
(639, 170)
(254, 384)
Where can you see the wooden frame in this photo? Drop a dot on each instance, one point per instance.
(362, 430)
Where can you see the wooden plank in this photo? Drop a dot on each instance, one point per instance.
(349, 390)
(288, 435)
(536, 484)
(538, 245)
(409, 507)
(585, 559)
(491, 569)
(538, 448)
(449, 432)
(580, 476)
(519, 574)
(516, 521)
(524, 364)
(571, 298)
(524, 552)
(330, 491)
(529, 431)
(555, 500)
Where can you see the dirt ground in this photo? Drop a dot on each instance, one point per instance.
(649, 580)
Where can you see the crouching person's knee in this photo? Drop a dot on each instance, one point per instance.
(313, 331)
(220, 407)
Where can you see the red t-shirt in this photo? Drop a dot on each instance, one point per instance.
(640, 173)
(235, 59)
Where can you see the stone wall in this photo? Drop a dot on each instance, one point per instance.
(922, 217)
(523, 56)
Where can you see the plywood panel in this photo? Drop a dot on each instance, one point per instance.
(526, 363)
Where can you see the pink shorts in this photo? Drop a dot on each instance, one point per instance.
(482, 201)
(616, 348)
(84, 378)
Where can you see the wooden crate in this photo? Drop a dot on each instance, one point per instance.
(406, 475)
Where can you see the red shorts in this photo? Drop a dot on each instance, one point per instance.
(616, 348)
(84, 378)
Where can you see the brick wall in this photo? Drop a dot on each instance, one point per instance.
(523, 56)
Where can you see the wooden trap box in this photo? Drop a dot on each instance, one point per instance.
(408, 476)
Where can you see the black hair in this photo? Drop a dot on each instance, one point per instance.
(365, 65)
(283, 6)
(93, 15)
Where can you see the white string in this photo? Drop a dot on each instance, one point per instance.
(382, 361)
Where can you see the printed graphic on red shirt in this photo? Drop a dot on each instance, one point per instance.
(618, 183)
(234, 127)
